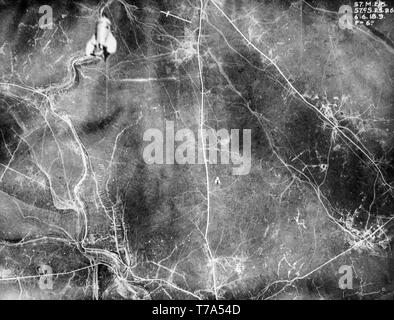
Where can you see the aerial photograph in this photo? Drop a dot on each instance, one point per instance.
(199, 150)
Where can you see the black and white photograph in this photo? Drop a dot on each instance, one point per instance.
(212, 151)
